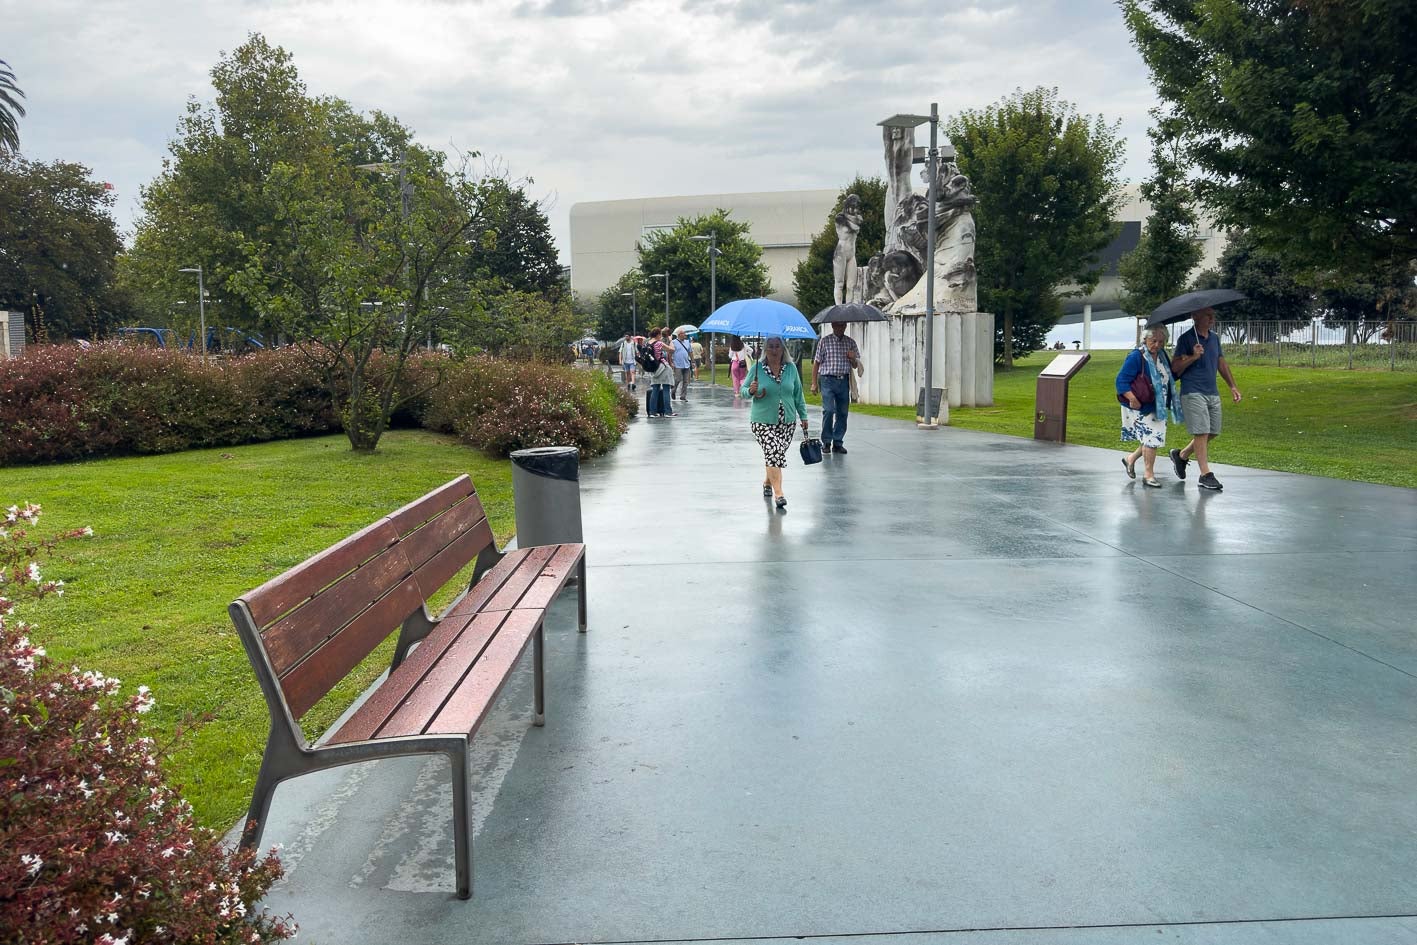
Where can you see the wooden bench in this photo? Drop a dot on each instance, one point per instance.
(307, 629)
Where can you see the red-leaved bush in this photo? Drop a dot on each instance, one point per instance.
(94, 846)
(501, 406)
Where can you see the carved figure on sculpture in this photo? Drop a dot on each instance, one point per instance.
(900, 153)
(956, 285)
(848, 226)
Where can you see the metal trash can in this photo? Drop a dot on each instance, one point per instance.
(546, 487)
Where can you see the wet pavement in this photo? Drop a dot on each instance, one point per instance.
(967, 689)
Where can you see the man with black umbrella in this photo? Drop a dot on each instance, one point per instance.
(1195, 364)
(837, 356)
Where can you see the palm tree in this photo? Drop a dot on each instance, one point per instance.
(10, 107)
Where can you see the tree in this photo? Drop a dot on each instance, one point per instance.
(812, 279)
(740, 272)
(211, 202)
(522, 254)
(1047, 182)
(1299, 117)
(58, 243)
(10, 109)
(1162, 262)
(364, 268)
(1271, 289)
(516, 322)
(612, 312)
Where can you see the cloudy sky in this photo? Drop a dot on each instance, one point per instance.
(593, 99)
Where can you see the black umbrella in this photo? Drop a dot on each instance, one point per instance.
(1183, 306)
(848, 312)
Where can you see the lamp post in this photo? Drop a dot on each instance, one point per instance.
(665, 277)
(631, 296)
(714, 253)
(405, 199)
(201, 306)
(932, 158)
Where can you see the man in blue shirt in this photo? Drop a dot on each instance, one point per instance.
(1195, 364)
(683, 366)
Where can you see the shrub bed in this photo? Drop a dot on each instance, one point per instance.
(65, 403)
(501, 406)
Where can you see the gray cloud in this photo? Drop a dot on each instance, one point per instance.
(594, 99)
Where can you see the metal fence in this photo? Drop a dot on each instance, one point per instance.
(1351, 346)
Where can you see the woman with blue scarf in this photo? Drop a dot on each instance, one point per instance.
(1148, 395)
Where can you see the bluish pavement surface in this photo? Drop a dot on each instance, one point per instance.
(967, 689)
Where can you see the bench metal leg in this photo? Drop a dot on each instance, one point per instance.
(581, 592)
(266, 781)
(539, 671)
(462, 823)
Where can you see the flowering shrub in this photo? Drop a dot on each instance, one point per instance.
(94, 847)
(501, 406)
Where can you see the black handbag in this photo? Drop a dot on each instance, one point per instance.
(811, 450)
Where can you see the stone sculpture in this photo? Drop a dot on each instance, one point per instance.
(848, 226)
(956, 285)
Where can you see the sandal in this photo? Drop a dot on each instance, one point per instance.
(782, 501)
(1151, 482)
(767, 491)
(1131, 468)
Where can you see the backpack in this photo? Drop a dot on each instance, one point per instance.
(645, 356)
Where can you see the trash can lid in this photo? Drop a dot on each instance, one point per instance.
(553, 462)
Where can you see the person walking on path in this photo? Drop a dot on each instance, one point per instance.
(1144, 420)
(775, 388)
(837, 356)
(683, 355)
(663, 377)
(628, 352)
(1196, 362)
(698, 347)
(738, 358)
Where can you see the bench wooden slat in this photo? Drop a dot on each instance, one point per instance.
(310, 679)
(278, 595)
(553, 578)
(289, 639)
(439, 500)
(489, 584)
(466, 707)
(424, 703)
(423, 545)
(462, 551)
(527, 572)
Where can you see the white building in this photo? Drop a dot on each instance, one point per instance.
(605, 234)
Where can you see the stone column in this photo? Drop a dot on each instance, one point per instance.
(954, 354)
(984, 364)
(1087, 327)
(969, 326)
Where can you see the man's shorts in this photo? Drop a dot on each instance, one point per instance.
(1202, 413)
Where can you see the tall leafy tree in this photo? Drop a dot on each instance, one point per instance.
(1161, 265)
(1299, 116)
(740, 272)
(613, 314)
(1272, 291)
(812, 279)
(1047, 179)
(58, 243)
(211, 202)
(521, 254)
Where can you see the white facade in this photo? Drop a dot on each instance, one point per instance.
(605, 233)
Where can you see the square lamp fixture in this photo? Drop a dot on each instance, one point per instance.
(904, 121)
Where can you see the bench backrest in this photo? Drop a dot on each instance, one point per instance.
(308, 628)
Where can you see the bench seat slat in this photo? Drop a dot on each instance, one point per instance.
(553, 578)
(308, 681)
(468, 704)
(527, 572)
(439, 500)
(489, 584)
(423, 704)
(278, 595)
(289, 639)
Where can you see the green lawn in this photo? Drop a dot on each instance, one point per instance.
(1359, 425)
(178, 537)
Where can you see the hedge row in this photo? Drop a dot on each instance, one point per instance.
(64, 403)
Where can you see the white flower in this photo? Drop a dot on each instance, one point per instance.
(114, 836)
(31, 863)
(87, 532)
(33, 571)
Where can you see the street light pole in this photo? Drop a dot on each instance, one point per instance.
(201, 307)
(665, 277)
(934, 166)
(714, 253)
(631, 297)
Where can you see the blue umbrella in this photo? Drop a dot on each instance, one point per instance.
(759, 318)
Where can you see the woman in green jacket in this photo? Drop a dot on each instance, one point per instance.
(776, 391)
